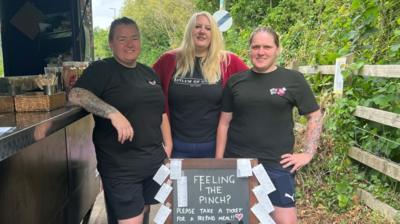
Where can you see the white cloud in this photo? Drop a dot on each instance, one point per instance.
(103, 12)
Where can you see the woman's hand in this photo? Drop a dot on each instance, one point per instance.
(297, 160)
(123, 126)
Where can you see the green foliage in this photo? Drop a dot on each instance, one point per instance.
(346, 130)
(316, 33)
(209, 6)
(312, 33)
(150, 54)
(1, 66)
(381, 186)
(379, 93)
(250, 14)
(161, 23)
(101, 47)
(234, 36)
(1, 61)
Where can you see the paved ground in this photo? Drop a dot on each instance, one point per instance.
(98, 215)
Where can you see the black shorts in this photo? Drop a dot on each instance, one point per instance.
(126, 198)
(284, 182)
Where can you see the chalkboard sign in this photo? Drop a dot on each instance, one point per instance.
(215, 194)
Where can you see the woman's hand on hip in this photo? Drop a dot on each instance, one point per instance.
(297, 160)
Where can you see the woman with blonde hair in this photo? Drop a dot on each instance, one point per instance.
(192, 77)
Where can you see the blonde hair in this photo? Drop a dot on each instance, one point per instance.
(211, 64)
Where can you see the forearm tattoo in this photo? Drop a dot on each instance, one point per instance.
(90, 102)
(313, 132)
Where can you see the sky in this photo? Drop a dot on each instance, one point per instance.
(103, 12)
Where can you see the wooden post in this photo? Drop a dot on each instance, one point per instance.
(293, 65)
(339, 67)
(221, 5)
(375, 204)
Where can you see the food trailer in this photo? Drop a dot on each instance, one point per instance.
(47, 159)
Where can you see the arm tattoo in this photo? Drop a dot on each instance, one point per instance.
(313, 132)
(90, 102)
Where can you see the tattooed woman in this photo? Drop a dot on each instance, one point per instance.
(257, 111)
(131, 127)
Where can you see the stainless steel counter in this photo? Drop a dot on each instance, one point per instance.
(28, 128)
(47, 167)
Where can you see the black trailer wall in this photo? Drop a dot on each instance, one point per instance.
(62, 34)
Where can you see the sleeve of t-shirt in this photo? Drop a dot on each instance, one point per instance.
(305, 99)
(227, 98)
(94, 78)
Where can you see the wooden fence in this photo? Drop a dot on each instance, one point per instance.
(382, 165)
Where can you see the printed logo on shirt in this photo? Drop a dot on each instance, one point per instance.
(192, 82)
(277, 91)
(152, 82)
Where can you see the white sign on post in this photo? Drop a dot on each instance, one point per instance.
(224, 20)
(339, 67)
(338, 81)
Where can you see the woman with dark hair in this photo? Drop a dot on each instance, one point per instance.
(131, 133)
(257, 120)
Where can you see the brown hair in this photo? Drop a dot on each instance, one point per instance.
(121, 21)
(265, 30)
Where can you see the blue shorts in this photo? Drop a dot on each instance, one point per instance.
(193, 150)
(284, 182)
(126, 198)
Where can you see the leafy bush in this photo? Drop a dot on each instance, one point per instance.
(316, 33)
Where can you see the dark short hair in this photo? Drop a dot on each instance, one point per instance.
(265, 30)
(121, 21)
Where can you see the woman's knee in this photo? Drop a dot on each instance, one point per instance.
(134, 220)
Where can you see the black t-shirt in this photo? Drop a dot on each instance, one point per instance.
(194, 106)
(262, 106)
(137, 94)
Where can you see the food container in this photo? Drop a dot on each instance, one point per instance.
(72, 70)
(49, 89)
(57, 73)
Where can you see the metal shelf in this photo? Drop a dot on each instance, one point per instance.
(58, 35)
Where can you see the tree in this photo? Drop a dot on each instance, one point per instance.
(318, 32)
(161, 24)
(101, 48)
